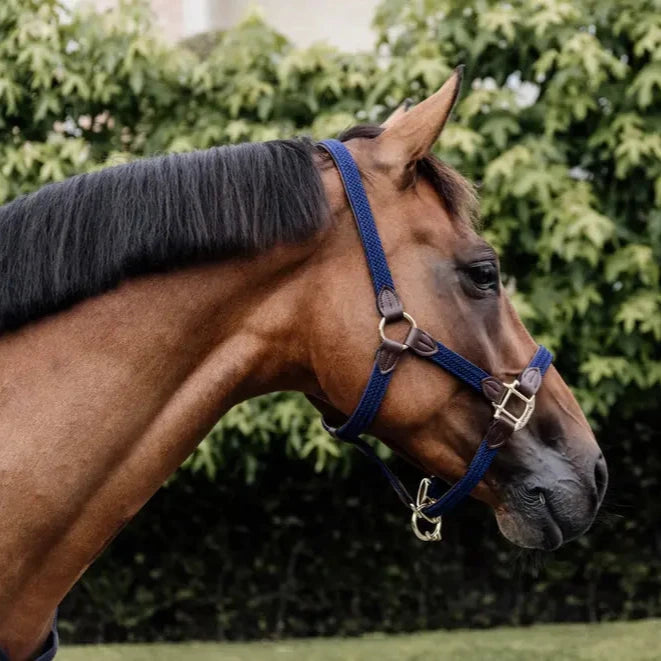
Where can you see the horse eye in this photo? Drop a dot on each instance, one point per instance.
(484, 275)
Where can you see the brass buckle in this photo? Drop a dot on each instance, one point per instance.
(421, 502)
(520, 421)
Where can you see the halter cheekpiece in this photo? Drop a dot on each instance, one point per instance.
(513, 403)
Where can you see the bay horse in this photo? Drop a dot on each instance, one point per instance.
(139, 303)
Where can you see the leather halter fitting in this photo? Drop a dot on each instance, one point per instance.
(513, 403)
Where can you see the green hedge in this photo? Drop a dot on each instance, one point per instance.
(559, 124)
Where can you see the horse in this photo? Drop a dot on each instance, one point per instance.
(139, 303)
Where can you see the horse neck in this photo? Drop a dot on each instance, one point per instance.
(99, 404)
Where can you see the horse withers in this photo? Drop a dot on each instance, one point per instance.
(139, 303)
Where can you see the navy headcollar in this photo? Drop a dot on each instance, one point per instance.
(513, 402)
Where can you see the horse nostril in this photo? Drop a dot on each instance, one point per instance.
(600, 478)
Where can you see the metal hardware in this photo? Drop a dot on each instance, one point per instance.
(382, 330)
(422, 501)
(330, 430)
(520, 421)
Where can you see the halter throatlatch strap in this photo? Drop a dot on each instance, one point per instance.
(513, 402)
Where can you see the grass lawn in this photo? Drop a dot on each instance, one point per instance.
(621, 641)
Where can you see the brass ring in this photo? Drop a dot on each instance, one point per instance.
(383, 322)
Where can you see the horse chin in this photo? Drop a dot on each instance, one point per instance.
(541, 532)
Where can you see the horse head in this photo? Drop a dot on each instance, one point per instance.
(547, 483)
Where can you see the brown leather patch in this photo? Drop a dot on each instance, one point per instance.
(392, 345)
(389, 304)
(493, 389)
(530, 381)
(386, 359)
(498, 433)
(421, 342)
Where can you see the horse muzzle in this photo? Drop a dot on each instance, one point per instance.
(555, 502)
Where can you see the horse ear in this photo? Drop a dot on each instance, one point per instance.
(397, 113)
(409, 136)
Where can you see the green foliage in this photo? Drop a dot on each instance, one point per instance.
(559, 124)
(245, 433)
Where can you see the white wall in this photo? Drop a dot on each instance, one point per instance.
(343, 23)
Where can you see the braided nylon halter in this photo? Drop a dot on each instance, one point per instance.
(431, 503)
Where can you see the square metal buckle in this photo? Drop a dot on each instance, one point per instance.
(521, 420)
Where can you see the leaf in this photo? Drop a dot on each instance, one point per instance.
(500, 128)
(646, 86)
(598, 368)
(642, 310)
(464, 140)
(633, 260)
(502, 18)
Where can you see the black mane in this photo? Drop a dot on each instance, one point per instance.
(80, 237)
(83, 236)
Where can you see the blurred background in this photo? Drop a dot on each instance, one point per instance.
(345, 24)
(271, 529)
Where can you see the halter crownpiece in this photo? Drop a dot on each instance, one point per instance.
(514, 403)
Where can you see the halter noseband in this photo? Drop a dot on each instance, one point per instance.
(513, 402)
